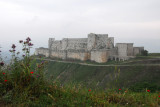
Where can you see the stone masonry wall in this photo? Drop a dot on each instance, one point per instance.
(56, 45)
(69, 44)
(113, 53)
(129, 49)
(141, 49)
(71, 54)
(50, 42)
(99, 56)
(91, 43)
(137, 50)
(80, 55)
(122, 49)
(58, 54)
(42, 51)
(100, 41)
(110, 42)
(125, 49)
(64, 43)
(77, 44)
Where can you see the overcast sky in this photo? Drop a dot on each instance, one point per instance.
(135, 21)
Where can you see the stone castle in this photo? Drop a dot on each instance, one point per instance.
(97, 47)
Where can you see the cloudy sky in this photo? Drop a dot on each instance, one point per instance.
(135, 21)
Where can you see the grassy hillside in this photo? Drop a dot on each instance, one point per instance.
(103, 76)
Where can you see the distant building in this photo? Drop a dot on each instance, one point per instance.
(97, 47)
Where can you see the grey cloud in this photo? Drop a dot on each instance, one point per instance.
(126, 20)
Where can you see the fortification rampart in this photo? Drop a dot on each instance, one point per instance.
(97, 47)
(100, 56)
(137, 50)
(42, 51)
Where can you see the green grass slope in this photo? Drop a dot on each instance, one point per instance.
(103, 76)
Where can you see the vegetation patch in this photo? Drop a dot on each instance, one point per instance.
(30, 82)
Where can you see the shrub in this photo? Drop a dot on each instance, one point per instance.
(21, 81)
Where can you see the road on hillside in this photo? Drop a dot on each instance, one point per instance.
(100, 65)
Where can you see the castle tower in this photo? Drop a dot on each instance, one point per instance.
(125, 49)
(99, 41)
(50, 42)
(91, 41)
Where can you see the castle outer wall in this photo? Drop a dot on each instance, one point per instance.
(97, 47)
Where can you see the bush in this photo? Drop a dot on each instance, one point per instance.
(20, 81)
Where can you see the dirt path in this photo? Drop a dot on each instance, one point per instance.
(101, 65)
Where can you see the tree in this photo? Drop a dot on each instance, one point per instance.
(144, 53)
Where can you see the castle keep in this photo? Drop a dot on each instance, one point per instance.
(97, 47)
